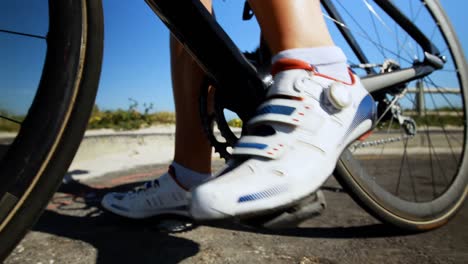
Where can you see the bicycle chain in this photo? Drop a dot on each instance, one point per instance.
(379, 142)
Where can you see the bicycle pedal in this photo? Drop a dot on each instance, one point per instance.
(290, 217)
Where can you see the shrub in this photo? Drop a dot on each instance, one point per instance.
(128, 119)
(163, 118)
(235, 122)
(7, 125)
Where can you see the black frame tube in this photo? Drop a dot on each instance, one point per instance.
(377, 83)
(405, 23)
(203, 37)
(197, 30)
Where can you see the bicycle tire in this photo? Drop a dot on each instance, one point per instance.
(48, 139)
(387, 206)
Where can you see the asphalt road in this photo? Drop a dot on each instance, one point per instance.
(74, 230)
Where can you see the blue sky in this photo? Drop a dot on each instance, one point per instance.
(136, 57)
(136, 54)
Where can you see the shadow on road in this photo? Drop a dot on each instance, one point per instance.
(75, 213)
(364, 231)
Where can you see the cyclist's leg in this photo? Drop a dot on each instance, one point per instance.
(311, 117)
(291, 24)
(192, 155)
(296, 29)
(192, 148)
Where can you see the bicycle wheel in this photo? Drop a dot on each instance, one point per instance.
(35, 156)
(412, 172)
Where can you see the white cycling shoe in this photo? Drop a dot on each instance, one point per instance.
(312, 118)
(157, 197)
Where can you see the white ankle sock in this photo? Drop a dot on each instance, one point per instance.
(329, 60)
(187, 177)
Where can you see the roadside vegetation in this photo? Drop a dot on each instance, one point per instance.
(130, 118)
(134, 118)
(6, 125)
(235, 122)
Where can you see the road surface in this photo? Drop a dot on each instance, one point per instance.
(75, 230)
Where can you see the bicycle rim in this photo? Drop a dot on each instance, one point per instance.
(36, 155)
(413, 179)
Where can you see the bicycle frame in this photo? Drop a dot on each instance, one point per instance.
(207, 42)
(374, 84)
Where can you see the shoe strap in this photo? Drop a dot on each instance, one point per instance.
(289, 112)
(286, 64)
(271, 147)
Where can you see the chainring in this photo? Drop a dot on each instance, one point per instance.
(213, 103)
(212, 115)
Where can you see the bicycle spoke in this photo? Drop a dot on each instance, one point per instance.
(391, 32)
(419, 138)
(372, 14)
(402, 163)
(455, 158)
(434, 30)
(439, 88)
(398, 44)
(21, 34)
(377, 165)
(430, 146)
(366, 37)
(360, 27)
(410, 174)
(448, 70)
(444, 50)
(10, 119)
(431, 150)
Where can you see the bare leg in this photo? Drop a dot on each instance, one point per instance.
(289, 24)
(192, 158)
(296, 29)
(192, 148)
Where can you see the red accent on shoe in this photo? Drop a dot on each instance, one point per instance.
(285, 64)
(365, 136)
(173, 175)
(280, 96)
(290, 64)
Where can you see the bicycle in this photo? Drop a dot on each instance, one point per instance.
(34, 161)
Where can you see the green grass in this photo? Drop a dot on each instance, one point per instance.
(235, 122)
(129, 119)
(132, 119)
(120, 119)
(7, 125)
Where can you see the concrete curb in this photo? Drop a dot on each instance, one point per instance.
(105, 151)
(102, 152)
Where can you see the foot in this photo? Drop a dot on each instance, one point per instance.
(295, 141)
(164, 195)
